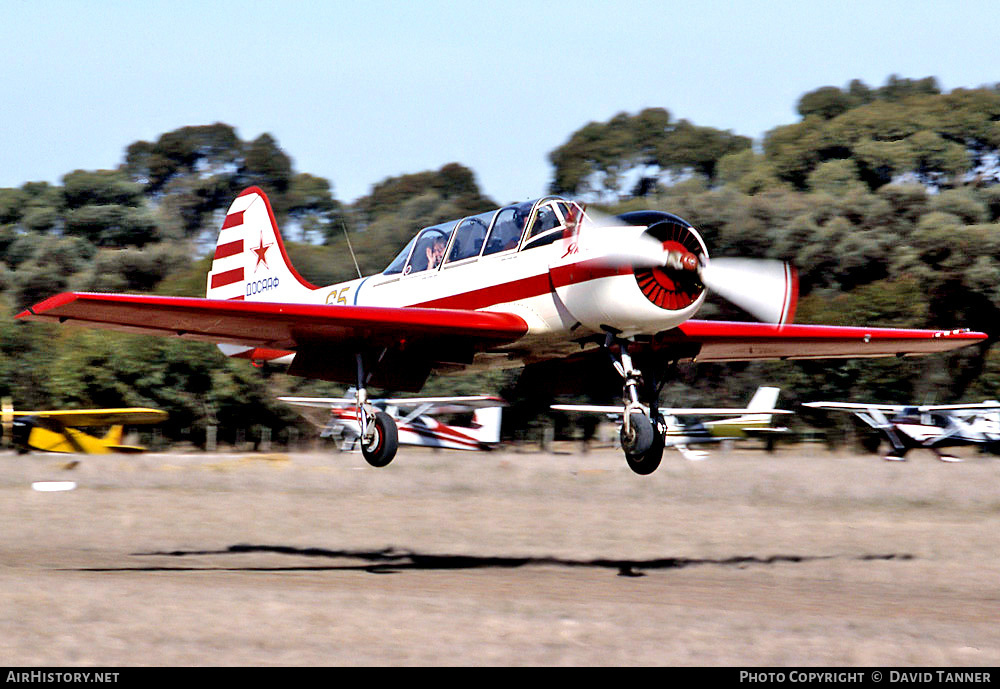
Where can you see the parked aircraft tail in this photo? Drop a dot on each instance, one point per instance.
(114, 435)
(486, 424)
(764, 398)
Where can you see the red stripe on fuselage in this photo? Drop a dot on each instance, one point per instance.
(525, 288)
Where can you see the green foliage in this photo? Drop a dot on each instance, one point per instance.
(195, 172)
(12, 203)
(904, 128)
(34, 282)
(131, 270)
(599, 156)
(453, 183)
(100, 188)
(836, 177)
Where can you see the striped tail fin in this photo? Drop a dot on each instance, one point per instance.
(250, 261)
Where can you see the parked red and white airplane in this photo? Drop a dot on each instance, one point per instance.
(684, 428)
(928, 426)
(538, 283)
(414, 417)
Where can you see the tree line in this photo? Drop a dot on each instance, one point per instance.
(886, 199)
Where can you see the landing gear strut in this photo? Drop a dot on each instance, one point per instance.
(642, 434)
(379, 436)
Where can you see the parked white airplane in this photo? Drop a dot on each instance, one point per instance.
(414, 417)
(539, 283)
(929, 426)
(752, 421)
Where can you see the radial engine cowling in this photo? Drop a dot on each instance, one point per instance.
(638, 278)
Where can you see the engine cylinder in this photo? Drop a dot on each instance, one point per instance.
(672, 290)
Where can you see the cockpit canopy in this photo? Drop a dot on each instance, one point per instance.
(523, 226)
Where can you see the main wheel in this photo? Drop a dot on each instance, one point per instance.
(380, 450)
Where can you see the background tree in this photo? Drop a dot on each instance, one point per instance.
(643, 148)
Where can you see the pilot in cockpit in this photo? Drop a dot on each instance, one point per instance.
(435, 253)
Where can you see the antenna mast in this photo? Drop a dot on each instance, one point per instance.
(347, 235)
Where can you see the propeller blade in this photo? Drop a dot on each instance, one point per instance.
(769, 290)
(643, 251)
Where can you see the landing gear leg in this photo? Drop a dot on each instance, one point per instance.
(379, 436)
(641, 435)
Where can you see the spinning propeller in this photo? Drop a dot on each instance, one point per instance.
(674, 257)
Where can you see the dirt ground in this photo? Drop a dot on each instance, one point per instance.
(802, 557)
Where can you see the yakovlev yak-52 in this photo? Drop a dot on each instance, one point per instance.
(538, 284)
(927, 426)
(414, 417)
(683, 427)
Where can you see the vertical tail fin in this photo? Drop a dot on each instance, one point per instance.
(764, 398)
(114, 435)
(250, 260)
(486, 424)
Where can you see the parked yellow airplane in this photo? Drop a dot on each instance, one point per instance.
(59, 430)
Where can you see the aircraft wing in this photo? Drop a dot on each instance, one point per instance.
(324, 337)
(669, 411)
(272, 325)
(83, 418)
(588, 408)
(990, 405)
(731, 341)
(895, 408)
(857, 407)
(435, 405)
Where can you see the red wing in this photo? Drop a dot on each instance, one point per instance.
(276, 326)
(727, 341)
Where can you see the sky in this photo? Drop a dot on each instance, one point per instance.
(360, 91)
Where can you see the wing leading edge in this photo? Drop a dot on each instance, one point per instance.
(408, 342)
(272, 325)
(728, 341)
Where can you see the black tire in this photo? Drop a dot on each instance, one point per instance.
(384, 443)
(643, 446)
(647, 462)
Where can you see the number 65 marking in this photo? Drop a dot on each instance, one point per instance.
(341, 296)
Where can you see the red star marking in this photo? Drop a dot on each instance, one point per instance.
(260, 251)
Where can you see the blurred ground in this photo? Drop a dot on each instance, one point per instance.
(801, 557)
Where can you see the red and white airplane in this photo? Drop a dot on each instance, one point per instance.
(539, 283)
(414, 417)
